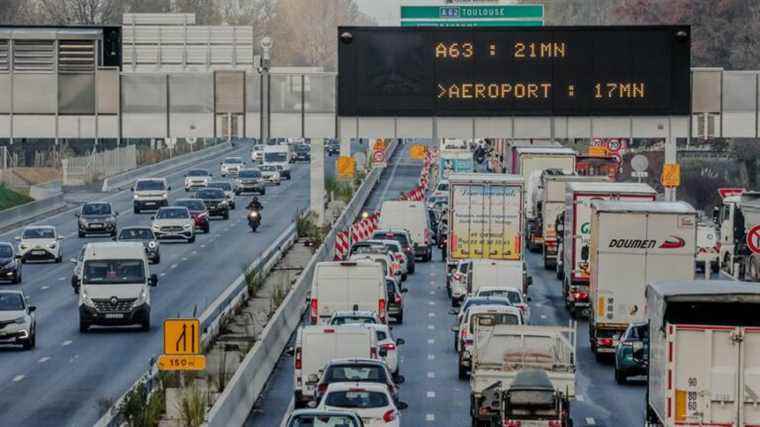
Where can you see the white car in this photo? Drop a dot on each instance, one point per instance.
(197, 178)
(40, 243)
(270, 173)
(386, 343)
(231, 166)
(257, 154)
(370, 401)
(513, 294)
(174, 222)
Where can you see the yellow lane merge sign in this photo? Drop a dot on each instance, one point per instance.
(182, 337)
(346, 166)
(671, 175)
(417, 151)
(168, 362)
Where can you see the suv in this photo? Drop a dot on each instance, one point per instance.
(355, 369)
(215, 202)
(231, 166)
(142, 235)
(634, 342)
(197, 178)
(198, 211)
(97, 217)
(250, 180)
(302, 152)
(270, 173)
(10, 268)
(257, 153)
(40, 243)
(404, 239)
(18, 324)
(174, 222)
(229, 191)
(151, 193)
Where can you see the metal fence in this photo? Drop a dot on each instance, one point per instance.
(88, 169)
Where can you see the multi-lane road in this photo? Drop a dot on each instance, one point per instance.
(432, 389)
(69, 377)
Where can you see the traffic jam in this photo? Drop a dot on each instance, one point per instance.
(659, 288)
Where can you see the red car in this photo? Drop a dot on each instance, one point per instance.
(198, 211)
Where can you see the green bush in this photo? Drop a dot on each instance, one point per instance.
(10, 198)
(193, 406)
(141, 408)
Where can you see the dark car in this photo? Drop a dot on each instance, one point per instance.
(250, 180)
(395, 300)
(631, 353)
(198, 211)
(10, 268)
(358, 370)
(332, 147)
(216, 202)
(144, 235)
(302, 152)
(96, 218)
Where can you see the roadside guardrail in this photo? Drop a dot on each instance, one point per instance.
(28, 211)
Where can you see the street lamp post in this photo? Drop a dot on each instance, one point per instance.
(266, 61)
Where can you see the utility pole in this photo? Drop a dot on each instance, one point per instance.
(266, 62)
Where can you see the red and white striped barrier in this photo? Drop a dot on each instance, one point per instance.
(342, 245)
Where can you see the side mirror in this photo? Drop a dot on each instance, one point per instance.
(115, 214)
(153, 217)
(153, 281)
(529, 280)
(405, 290)
(312, 379)
(312, 404)
(114, 238)
(383, 352)
(73, 260)
(402, 405)
(290, 351)
(716, 214)
(59, 238)
(455, 329)
(32, 308)
(76, 287)
(17, 257)
(453, 311)
(132, 189)
(400, 341)
(169, 188)
(77, 214)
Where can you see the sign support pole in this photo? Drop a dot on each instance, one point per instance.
(317, 167)
(670, 157)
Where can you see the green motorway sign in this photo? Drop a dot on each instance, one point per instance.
(473, 16)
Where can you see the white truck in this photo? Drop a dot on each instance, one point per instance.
(577, 234)
(485, 218)
(737, 217)
(530, 163)
(552, 204)
(347, 285)
(632, 244)
(703, 354)
(280, 156)
(503, 353)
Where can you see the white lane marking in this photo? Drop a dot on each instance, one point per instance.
(431, 374)
(543, 316)
(203, 245)
(431, 341)
(173, 266)
(62, 278)
(18, 378)
(431, 356)
(194, 252)
(46, 287)
(432, 274)
(390, 179)
(432, 282)
(590, 421)
(429, 417)
(432, 292)
(431, 327)
(538, 304)
(67, 342)
(579, 398)
(431, 314)
(184, 258)
(431, 394)
(43, 359)
(431, 302)
(163, 274)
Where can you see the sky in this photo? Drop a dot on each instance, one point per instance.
(385, 12)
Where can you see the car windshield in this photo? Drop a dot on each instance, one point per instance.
(269, 168)
(224, 186)
(276, 157)
(491, 319)
(6, 251)
(113, 271)
(399, 237)
(233, 160)
(381, 335)
(368, 249)
(193, 205)
(96, 209)
(172, 213)
(444, 186)
(355, 373)
(352, 320)
(136, 234)
(250, 174)
(483, 301)
(356, 399)
(39, 233)
(197, 172)
(11, 301)
(512, 295)
(210, 193)
(302, 148)
(322, 420)
(150, 185)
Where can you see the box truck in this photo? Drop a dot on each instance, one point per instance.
(703, 353)
(577, 233)
(485, 218)
(552, 204)
(738, 217)
(632, 244)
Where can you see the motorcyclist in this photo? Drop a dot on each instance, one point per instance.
(255, 205)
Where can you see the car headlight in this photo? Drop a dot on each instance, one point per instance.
(164, 196)
(136, 197)
(187, 226)
(86, 298)
(141, 299)
(52, 246)
(152, 245)
(20, 320)
(82, 221)
(223, 203)
(155, 227)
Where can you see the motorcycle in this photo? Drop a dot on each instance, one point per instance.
(254, 220)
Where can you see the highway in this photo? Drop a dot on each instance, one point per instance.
(435, 395)
(69, 378)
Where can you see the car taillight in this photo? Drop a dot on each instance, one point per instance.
(555, 423)
(397, 298)
(389, 416)
(523, 308)
(314, 311)
(458, 276)
(381, 309)
(467, 340)
(399, 257)
(322, 388)
(580, 296)
(373, 353)
(511, 423)
(298, 358)
(389, 346)
(605, 342)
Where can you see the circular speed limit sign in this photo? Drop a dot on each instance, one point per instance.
(753, 239)
(614, 145)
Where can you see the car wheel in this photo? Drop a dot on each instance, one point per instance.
(191, 239)
(400, 318)
(145, 324)
(136, 210)
(462, 372)
(28, 344)
(226, 215)
(17, 279)
(23, 260)
(158, 260)
(59, 259)
(263, 191)
(404, 276)
(83, 326)
(233, 206)
(620, 377)
(81, 234)
(207, 229)
(237, 193)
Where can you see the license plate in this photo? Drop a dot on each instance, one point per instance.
(38, 252)
(150, 203)
(114, 316)
(96, 225)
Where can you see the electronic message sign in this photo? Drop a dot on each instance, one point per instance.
(561, 71)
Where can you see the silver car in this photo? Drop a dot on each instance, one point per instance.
(174, 222)
(18, 324)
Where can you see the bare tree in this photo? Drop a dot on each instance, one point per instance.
(86, 12)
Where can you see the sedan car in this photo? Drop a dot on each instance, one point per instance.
(96, 218)
(250, 180)
(231, 166)
(40, 243)
(144, 235)
(229, 191)
(215, 201)
(18, 324)
(271, 174)
(372, 402)
(10, 268)
(197, 178)
(174, 222)
(199, 212)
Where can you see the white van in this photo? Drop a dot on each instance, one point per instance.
(486, 272)
(412, 216)
(318, 345)
(115, 284)
(279, 156)
(347, 285)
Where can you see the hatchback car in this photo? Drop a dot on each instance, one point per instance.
(199, 213)
(229, 191)
(250, 180)
(40, 243)
(357, 369)
(270, 174)
(174, 222)
(231, 166)
(370, 401)
(10, 268)
(18, 324)
(144, 235)
(197, 178)
(515, 297)
(96, 218)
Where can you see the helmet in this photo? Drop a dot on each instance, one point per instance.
(255, 199)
